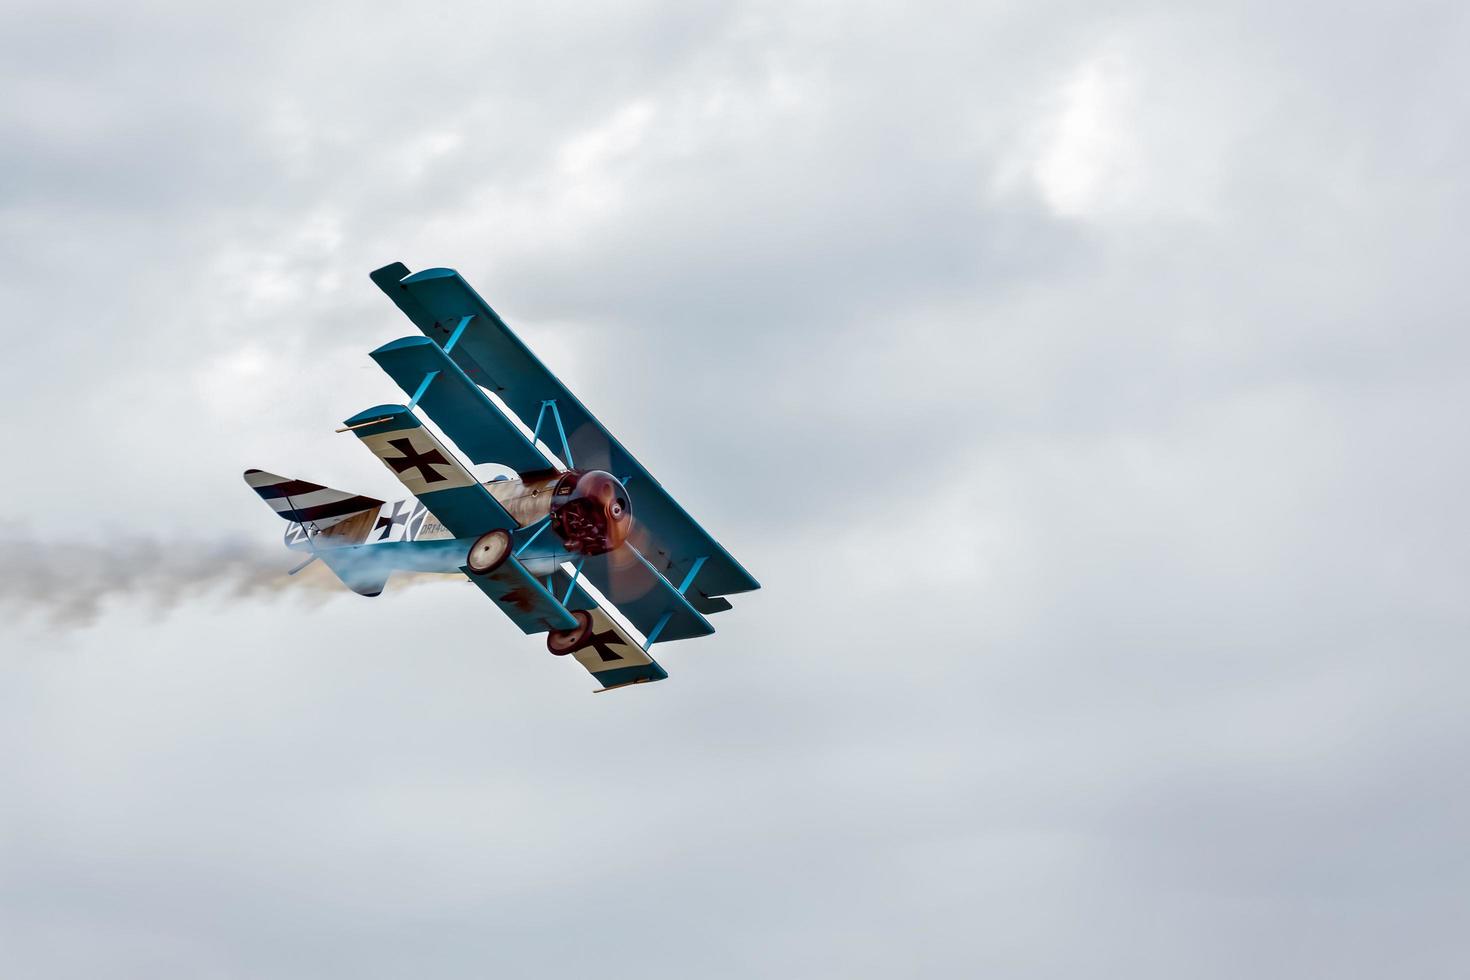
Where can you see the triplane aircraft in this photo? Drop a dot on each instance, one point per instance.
(532, 543)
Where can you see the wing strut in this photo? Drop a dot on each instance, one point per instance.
(423, 387)
(566, 449)
(693, 571)
(464, 321)
(663, 620)
(572, 587)
(544, 523)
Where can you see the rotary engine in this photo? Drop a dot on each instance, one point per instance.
(590, 511)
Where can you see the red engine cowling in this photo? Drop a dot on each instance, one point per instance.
(591, 512)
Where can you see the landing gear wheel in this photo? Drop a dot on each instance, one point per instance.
(563, 642)
(489, 551)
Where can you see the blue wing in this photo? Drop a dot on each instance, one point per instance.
(472, 337)
(458, 405)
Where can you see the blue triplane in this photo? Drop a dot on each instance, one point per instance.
(557, 547)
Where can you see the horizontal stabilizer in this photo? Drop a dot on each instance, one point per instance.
(307, 503)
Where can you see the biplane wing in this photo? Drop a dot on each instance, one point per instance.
(654, 605)
(471, 335)
(429, 470)
(612, 657)
(560, 549)
(609, 654)
(528, 603)
(364, 540)
(457, 405)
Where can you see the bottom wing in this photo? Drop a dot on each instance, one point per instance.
(609, 654)
(612, 657)
(522, 598)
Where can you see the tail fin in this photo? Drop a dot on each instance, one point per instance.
(312, 509)
(301, 502)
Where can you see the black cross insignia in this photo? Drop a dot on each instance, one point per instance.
(413, 459)
(387, 523)
(603, 643)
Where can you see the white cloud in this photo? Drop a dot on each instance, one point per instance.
(1134, 131)
(1090, 160)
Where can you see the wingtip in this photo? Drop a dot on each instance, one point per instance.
(436, 273)
(393, 272)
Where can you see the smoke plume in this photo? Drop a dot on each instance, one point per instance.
(67, 584)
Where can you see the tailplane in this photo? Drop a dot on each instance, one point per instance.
(327, 523)
(310, 504)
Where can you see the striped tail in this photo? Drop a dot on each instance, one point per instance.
(312, 504)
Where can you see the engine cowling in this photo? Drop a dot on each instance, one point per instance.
(591, 511)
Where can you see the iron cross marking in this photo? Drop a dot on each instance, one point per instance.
(603, 643)
(387, 523)
(413, 459)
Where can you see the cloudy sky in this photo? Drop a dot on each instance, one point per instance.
(1086, 384)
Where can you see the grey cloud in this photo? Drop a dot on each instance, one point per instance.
(1113, 599)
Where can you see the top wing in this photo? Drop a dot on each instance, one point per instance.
(447, 310)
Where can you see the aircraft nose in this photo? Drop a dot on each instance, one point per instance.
(591, 511)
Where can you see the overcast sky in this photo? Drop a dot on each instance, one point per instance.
(1086, 385)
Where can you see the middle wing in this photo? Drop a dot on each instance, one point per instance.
(428, 375)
